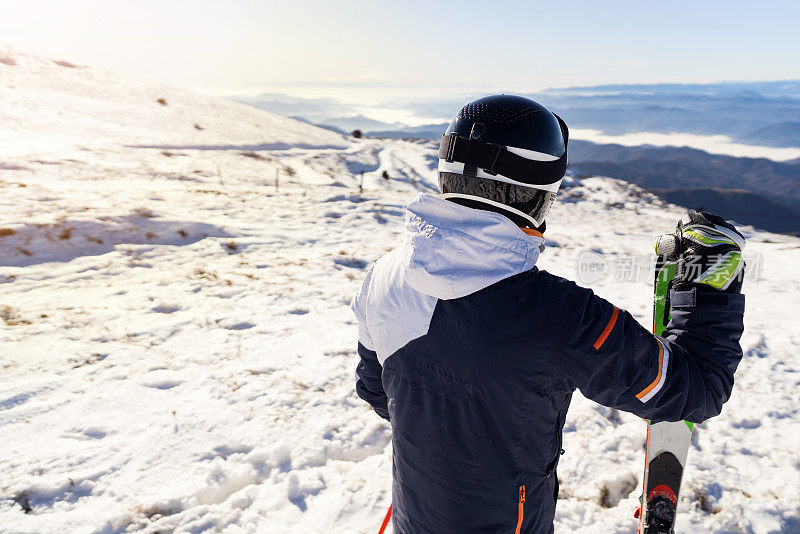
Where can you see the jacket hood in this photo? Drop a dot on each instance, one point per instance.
(451, 251)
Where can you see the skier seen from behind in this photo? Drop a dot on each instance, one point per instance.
(472, 353)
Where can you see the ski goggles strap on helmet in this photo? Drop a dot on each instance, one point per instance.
(496, 159)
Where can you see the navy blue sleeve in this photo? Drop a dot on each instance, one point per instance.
(368, 381)
(687, 374)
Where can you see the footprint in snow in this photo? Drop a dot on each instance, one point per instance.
(85, 433)
(747, 423)
(165, 308)
(163, 384)
(159, 380)
(244, 325)
(353, 263)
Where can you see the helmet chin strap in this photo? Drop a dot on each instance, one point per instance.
(518, 213)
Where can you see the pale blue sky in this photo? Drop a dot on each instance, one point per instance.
(424, 46)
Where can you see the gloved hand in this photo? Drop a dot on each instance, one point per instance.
(708, 252)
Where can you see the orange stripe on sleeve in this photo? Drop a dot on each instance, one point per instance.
(649, 388)
(609, 327)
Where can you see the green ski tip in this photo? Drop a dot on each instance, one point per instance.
(690, 425)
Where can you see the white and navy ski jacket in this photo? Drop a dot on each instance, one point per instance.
(472, 354)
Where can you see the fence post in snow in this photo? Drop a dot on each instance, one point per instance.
(361, 183)
(277, 175)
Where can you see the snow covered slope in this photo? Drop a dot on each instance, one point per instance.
(176, 351)
(49, 105)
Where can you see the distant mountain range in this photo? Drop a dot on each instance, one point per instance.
(779, 88)
(738, 205)
(681, 167)
(313, 110)
(756, 191)
(758, 113)
(787, 132)
(427, 131)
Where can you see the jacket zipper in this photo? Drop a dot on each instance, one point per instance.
(521, 509)
(558, 452)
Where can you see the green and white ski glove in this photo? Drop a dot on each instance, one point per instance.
(708, 252)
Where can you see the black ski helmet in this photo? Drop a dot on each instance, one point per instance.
(506, 154)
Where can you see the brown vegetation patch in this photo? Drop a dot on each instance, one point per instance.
(144, 213)
(11, 316)
(253, 155)
(704, 501)
(205, 275)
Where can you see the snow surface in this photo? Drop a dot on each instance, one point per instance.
(177, 353)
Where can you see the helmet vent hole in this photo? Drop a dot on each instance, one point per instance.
(497, 114)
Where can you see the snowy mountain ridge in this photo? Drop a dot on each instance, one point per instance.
(176, 349)
(54, 104)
